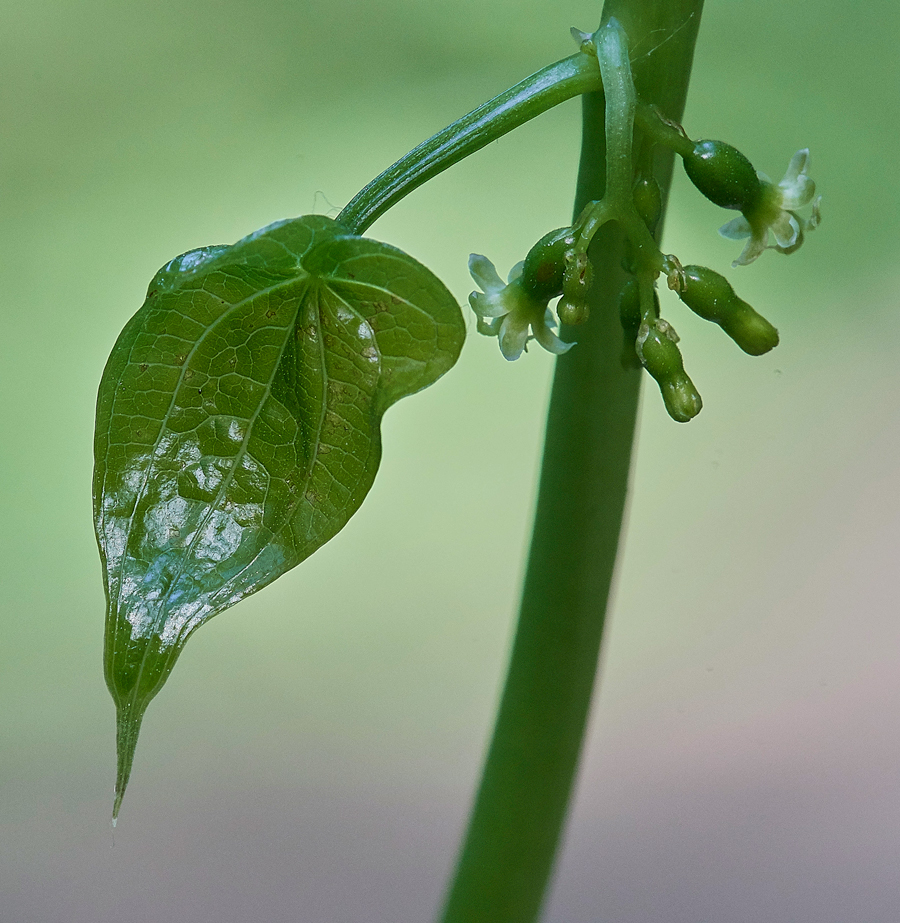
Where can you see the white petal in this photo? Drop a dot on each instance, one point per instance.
(752, 250)
(813, 221)
(489, 328)
(513, 337)
(786, 229)
(798, 194)
(484, 273)
(488, 305)
(797, 189)
(736, 229)
(799, 166)
(550, 341)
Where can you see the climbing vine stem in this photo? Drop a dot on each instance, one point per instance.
(509, 850)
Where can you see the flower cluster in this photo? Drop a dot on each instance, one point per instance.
(557, 266)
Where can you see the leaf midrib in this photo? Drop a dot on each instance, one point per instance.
(164, 428)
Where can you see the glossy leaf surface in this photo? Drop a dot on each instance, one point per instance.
(238, 428)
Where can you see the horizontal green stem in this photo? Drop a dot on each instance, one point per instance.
(536, 94)
(661, 130)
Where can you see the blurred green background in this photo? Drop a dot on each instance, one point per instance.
(313, 756)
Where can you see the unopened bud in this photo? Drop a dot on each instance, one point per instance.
(648, 201)
(542, 271)
(724, 175)
(572, 313)
(658, 351)
(711, 296)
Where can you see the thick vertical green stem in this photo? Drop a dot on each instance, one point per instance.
(519, 813)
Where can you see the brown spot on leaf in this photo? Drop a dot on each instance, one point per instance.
(334, 422)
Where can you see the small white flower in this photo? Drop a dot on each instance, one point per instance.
(777, 212)
(506, 310)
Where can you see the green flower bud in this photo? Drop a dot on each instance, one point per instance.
(657, 348)
(542, 271)
(711, 296)
(648, 201)
(572, 313)
(724, 175)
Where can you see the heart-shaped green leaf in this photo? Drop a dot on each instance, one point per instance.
(238, 428)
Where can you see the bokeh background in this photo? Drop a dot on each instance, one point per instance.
(314, 754)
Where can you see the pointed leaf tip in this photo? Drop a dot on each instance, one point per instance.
(128, 728)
